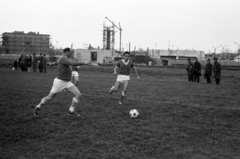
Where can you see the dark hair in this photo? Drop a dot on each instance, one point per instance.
(66, 50)
(126, 53)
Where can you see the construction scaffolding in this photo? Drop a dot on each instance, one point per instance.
(108, 37)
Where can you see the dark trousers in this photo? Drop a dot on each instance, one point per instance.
(217, 80)
(196, 76)
(190, 76)
(40, 67)
(208, 79)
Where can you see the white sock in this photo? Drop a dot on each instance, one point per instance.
(43, 101)
(71, 109)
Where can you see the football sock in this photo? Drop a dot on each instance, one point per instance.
(43, 101)
(71, 109)
(74, 102)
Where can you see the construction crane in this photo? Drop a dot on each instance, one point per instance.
(120, 29)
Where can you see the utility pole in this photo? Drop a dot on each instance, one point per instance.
(223, 50)
(215, 50)
(120, 29)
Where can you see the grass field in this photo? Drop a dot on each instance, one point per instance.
(177, 119)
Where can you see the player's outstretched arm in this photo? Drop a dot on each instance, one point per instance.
(52, 63)
(73, 63)
(136, 72)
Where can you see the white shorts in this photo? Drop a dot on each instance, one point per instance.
(75, 73)
(122, 78)
(60, 85)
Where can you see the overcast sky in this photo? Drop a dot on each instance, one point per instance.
(182, 24)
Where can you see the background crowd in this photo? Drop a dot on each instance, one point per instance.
(30, 63)
(211, 72)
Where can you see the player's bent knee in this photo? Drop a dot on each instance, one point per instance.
(76, 100)
(78, 95)
(124, 93)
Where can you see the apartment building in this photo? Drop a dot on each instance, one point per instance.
(19, 42)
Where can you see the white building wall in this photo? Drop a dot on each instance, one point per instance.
(188, 53)
(85, 55)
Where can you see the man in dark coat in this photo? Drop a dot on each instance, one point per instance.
(29, 64)
(196, 71)
(216, 71)
(34, 62)
(20, 62)
(190, 70)
(40, 63)
(208, 71)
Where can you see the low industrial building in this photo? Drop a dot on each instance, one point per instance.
(98, 56)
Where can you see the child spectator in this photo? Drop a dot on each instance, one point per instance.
(15, 65)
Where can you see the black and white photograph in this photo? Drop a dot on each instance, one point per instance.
(119, 79)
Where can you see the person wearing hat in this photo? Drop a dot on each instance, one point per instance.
(190, 70)
(196, 71)
(208, 71)
(216, 71)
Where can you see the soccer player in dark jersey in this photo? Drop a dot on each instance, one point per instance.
(63, 81)
(123, 77)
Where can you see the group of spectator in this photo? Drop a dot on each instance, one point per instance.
(30, 63)
(211, 71)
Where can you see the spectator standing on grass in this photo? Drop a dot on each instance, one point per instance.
(190, 70)
(63, 81)
(44, 63)
(24, 62)
(34, 62)
(15, 65)
(208, 71)
(123, 77)
(216, 71)
(29, 63)
(20, 62)
(40, 63)
(196, 71)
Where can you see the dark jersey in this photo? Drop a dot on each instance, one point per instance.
(124, 67)
(64, 70)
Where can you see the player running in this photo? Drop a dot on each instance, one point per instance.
(63, 81)
(123, 77)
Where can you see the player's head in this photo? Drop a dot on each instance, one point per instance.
(126, 55)
(67, 51)
(208, 60)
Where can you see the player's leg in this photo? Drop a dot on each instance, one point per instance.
(124, 91)
(44, 100)
(77, 94)
(115, 87)
(58, 86)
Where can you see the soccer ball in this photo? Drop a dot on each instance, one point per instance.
(134, 113)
